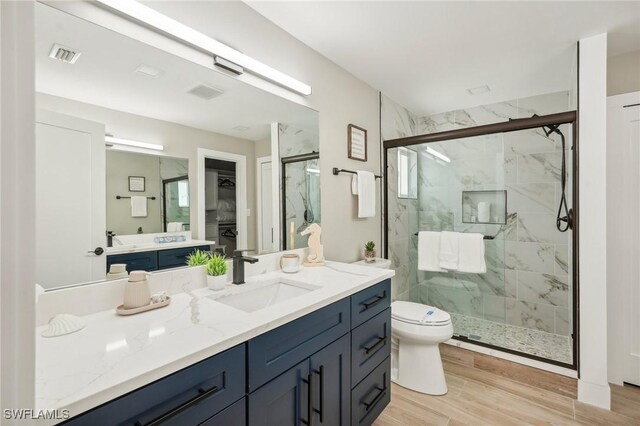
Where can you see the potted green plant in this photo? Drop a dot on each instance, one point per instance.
(199, 259)
(370, 252)
(217, 272)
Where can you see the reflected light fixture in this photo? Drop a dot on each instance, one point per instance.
(234, 60)
(110, 140)
(438, 154)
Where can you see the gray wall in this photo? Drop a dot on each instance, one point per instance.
(178, 140)
(623, 73)
(120, 165)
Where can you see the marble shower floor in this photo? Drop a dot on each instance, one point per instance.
(533, 342)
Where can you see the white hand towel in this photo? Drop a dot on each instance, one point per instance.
(354, 184)
(472, 254)
(366, 194)
(449, 250)
(138, 206)
(429, 251)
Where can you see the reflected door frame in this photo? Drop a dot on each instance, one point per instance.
(274, 246)
(241, 193)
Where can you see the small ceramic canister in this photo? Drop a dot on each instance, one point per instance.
(137, 292)
(290, 263)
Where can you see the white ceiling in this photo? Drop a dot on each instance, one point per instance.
(105, 75)
(425, 55)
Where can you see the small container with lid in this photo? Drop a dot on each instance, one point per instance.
(137, 292)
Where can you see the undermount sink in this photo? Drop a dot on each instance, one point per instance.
(262, 294)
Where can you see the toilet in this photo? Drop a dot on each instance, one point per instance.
(416, 332)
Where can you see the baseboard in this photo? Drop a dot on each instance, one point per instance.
(514, 358)
(594, 394)
(525, 374)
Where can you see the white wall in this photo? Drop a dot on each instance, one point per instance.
(339, 97)
(17, 206)
(178, 140)
(623, 73)
(593, 387)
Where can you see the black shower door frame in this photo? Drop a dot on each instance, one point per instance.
(513, 125)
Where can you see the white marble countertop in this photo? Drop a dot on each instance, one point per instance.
(142, 247)
(115, 354)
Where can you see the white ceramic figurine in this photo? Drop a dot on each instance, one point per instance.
(316, 255)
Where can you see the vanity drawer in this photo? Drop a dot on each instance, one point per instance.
(189, 396)
(370, 302)
(372, 395)
(370, 345)
(144, 261)
(173, 258)
(276, 351)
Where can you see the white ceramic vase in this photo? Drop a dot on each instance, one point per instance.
(217, 283)
(136, 291)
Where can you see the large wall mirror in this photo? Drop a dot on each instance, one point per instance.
(144, 151)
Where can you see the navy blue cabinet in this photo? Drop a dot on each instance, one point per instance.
(331, 393)
(189, 396)
(143, 261)
(284, 401)
(154, 260)
(328, 368)
(274, 352)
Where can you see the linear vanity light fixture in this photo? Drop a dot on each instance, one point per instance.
(219, 50)
(110, 140)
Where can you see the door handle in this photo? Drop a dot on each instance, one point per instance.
(320, 411)
(97, 251)
(309, 383)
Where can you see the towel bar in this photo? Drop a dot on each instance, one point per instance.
(337, 171)
(120, 196)
(485, 237)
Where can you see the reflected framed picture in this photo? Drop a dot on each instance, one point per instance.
(136, 183)
(357, 145)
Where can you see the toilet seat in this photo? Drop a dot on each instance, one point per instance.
(419, 314)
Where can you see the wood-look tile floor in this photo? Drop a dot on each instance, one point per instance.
(478, 397)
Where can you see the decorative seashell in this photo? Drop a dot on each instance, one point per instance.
(62, 324)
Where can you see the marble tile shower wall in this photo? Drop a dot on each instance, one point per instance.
(398, 122)
(527, 281)
(302, 186)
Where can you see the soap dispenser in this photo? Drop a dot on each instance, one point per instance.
(137, 292)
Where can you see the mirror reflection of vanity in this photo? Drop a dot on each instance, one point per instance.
(144, 156)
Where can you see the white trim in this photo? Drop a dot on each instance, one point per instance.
(594, 394)
(259, 216)
(275, 185)
(17, 207)
(241, 193)
(514, 358)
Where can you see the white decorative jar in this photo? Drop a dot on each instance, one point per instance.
(137, 292)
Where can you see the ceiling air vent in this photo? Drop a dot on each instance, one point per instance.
(205, 92)
(64, 54)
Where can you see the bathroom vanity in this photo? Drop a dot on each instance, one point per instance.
(155, 257)
(319, 358)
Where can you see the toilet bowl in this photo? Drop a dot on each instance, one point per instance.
(416, 332)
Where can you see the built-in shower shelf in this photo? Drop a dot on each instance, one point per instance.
(486, 207)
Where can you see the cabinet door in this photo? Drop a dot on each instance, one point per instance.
(284, 400)
(144, 261)
(331, 395)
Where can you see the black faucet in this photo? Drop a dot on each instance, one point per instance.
(238, 265)
(110, 235)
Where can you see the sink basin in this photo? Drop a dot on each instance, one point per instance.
(263, 294)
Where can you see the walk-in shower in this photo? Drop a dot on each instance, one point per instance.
(515, 183)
